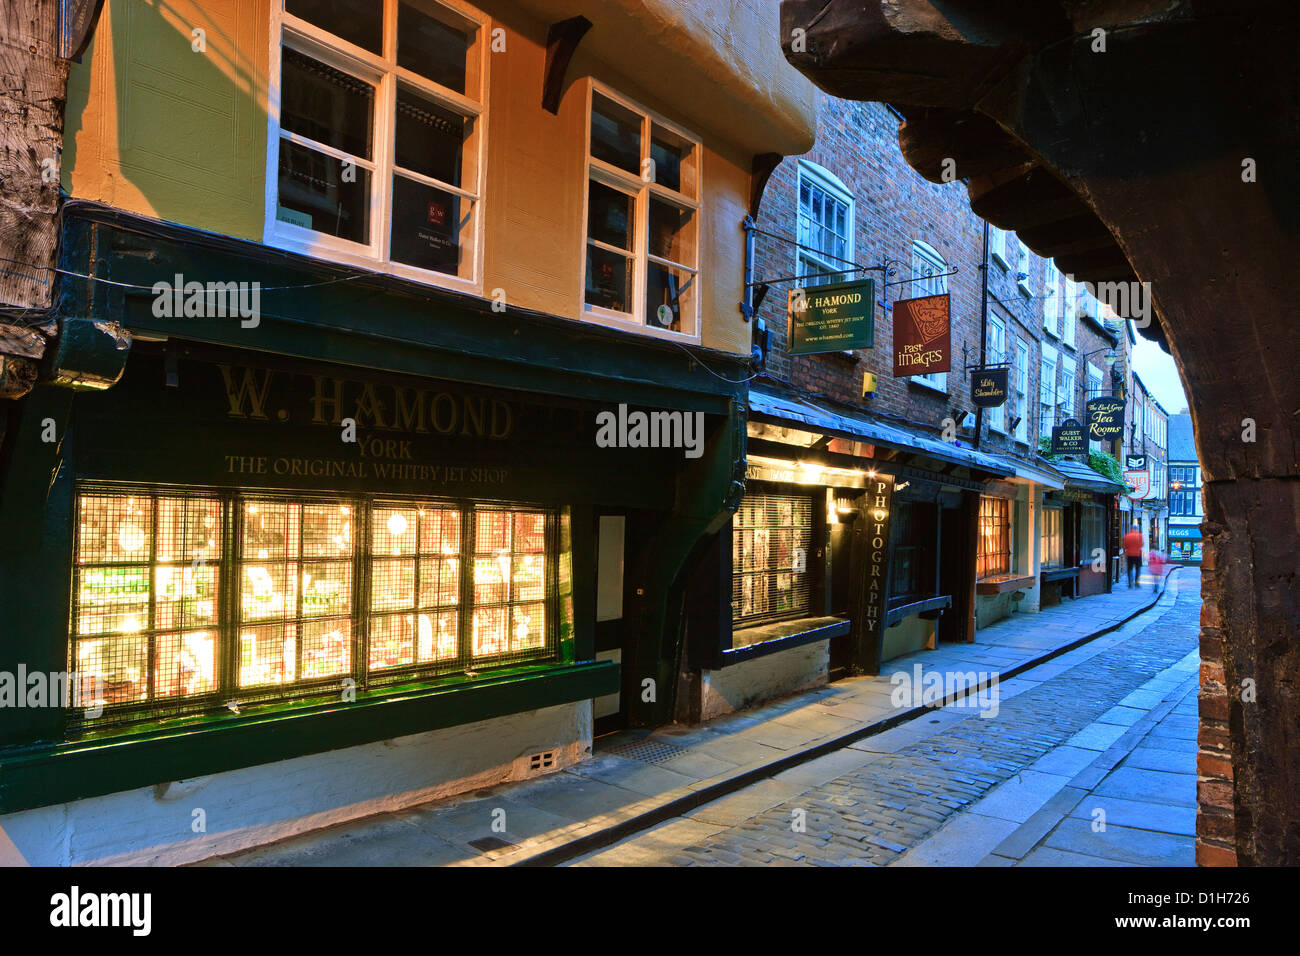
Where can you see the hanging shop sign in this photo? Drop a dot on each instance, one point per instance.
(1141, 482)
(1135, 462)
(1105, 418)
(831, 318)
(988, 387)
(1069, 438)
(922, 328)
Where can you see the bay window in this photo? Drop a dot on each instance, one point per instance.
(375, 136)
(994, 555)
(316, 589)
(641, 261)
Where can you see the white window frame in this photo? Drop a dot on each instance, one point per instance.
(384, 73)
(1022, 267)
(1052, 305)
(1047, 388)
(998, 246)
(1066, 398)
(1094, 391)
(997, 353)
(1022, 390)
(926, 254)
(623, 181)
(831, 185)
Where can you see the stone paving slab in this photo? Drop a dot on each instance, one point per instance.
(906, 806)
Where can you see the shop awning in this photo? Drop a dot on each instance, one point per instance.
(819, 417)
(1041, 473)
(1078, 475)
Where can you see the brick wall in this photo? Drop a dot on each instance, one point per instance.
(893, 207)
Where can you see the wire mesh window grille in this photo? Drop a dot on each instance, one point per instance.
(315, 589)
(146, 580)
(770, 539)
(995, 537)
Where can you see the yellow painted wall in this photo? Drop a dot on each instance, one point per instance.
(157, 128)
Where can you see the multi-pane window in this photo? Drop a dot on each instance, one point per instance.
(998, 240)
(1022, 390)
(509, 582)
(995, 537)
(770, 538)
(376, 133)
(997, 354)
(929, 277)
(1052, 539)
(148, 570)
(1052, 306)
(824, 229)
(1094, 391)
(643, 213)
(1065, 398)
(1047, 392)
(295, 591)
(316, 589)
(415, 588)
(1022, 266)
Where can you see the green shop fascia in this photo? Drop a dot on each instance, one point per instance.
(373, 513)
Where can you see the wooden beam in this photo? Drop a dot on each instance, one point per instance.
(33, 88)
(562, 39)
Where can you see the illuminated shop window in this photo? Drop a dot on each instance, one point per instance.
(316, 589)
(295, 580)
(509, 582)
(995, 537)
(146, 581)
(414, 585)
(769, 540)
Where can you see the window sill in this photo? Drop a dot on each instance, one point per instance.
(1001, 583)
(751, 642)
(927, 386)
(929, 608)
(49, 774)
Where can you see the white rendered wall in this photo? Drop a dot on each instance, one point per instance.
(258, 805)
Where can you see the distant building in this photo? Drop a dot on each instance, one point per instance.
(1185, 508)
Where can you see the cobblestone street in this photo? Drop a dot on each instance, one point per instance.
(1119, 719)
